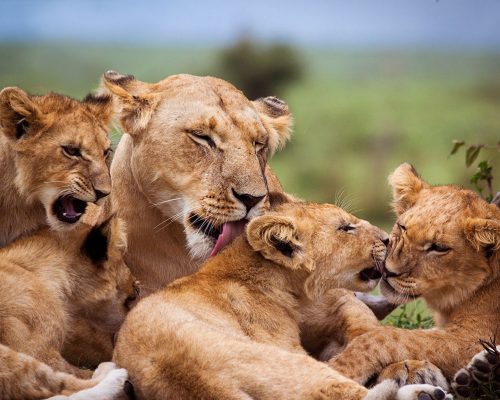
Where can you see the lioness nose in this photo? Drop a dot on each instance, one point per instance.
(99, 194)
(385, 242)
(248, 200)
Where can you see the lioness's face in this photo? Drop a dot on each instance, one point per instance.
(61, 151)
(434, 250)
(201, 158)
(335, 247)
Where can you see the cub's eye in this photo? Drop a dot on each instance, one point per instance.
(201, 138)
(71, 151)
(402, 227)
(346, 228)
(437, 248)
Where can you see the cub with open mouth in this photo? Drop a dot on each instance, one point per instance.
(55, 156)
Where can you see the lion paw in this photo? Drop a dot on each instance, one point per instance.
(390, 389)
(414, 372)
(422, 392)
(484, 369)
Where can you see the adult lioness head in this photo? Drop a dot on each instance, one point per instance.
(333, 247)
(60, 148)
(200, 149)
(445, 244)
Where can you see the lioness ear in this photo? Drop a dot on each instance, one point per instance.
(101, 106)
(276, 238)
(276, 116)
(483, 234)
(406, 185)
(18, 113)
(135, 102)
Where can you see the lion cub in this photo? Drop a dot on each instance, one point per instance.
(54, 158)
(445, 247)
(231, 330)
(46, 279)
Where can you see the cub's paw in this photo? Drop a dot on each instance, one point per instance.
(102, 370)
(414, 372)
(481, 374)
(422, 392)
(391, 390)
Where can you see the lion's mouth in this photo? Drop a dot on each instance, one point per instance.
(69, 209)
(370, 273)
(223, 234)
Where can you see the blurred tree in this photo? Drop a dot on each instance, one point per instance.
(260, 70)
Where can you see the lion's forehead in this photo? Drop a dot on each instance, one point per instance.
(235, 122)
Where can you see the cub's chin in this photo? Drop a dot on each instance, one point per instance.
(392, 295)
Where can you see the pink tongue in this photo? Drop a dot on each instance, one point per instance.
(230, 230)
(69, 209)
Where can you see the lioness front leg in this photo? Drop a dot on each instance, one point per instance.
(368, 354)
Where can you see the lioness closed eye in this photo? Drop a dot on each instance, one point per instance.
(55, 155)
(231, 330)
(190, 168)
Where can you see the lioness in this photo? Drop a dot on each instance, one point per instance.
(231, 330)
(190, 168)
(445, 247)
(45, 279)
(54, 155)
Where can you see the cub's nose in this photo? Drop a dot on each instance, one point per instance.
(248, 200)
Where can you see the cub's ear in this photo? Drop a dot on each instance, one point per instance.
(96, 243)
(19, 114)
(105, 239)
(277, 118)
(276, 238)
(484, 234)
(406, 186)
(101, 106)
(134, 99)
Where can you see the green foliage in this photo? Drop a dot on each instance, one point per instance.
(260, 70)
(410, 317)
(483, 174)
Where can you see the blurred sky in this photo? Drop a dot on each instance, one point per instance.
(469, 24)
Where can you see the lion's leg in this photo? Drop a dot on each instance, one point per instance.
(483, 369)
(413, 372)
(334, 321)
(368, 354)
(24, 377)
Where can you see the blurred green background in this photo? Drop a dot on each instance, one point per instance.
(358, 113)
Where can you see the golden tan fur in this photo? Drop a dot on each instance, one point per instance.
(232, 329)
(191, 145)
(36, 170)
(445, 247)
(46, 279)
